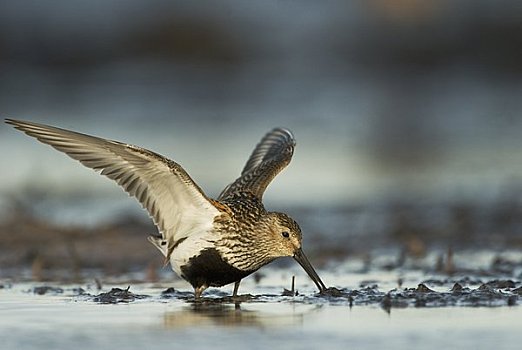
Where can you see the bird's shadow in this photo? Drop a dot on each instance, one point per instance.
(228, 312)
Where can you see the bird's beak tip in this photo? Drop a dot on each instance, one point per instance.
(301, 258)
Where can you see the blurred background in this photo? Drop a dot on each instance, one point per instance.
(406, 112)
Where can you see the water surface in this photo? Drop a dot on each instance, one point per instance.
(70, 318)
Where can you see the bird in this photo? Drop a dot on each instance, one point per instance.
(208, 242)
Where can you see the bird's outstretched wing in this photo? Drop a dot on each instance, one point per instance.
(175, 202)
(271, 155)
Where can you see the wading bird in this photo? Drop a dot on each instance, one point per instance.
(207, 242)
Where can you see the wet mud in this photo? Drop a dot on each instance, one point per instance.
(465, 292)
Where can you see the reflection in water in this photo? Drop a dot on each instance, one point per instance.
(219, 314)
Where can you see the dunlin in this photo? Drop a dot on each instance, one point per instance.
(207, 242)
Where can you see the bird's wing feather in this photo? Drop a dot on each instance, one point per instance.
(271, 155)
(174, 201)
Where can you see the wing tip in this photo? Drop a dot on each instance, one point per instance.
(19, 124)
(11, 121)
(22, 125)
(283, 132)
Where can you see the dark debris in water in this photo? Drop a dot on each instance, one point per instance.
(117, 295)
(335, 293)
(50, 290)
(41, 290)
(493, 293)
(489, 294)
(501, 284)
(430, 293)
(292, 292)
(289, 293)
(171, 293)
(422, 288)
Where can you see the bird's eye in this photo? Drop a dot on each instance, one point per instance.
(285, 234)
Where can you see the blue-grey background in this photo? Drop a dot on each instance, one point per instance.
(407, 118)
(387, 99)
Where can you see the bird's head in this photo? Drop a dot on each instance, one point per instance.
(284, 235)
(285, 240)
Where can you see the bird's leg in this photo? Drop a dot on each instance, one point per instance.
(198, 291)
(236, 287)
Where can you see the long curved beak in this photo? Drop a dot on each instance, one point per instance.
(301, 258)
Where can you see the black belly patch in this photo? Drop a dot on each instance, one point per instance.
(209, 269)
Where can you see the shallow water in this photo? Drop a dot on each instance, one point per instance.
(62, 324)
(69, 317)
